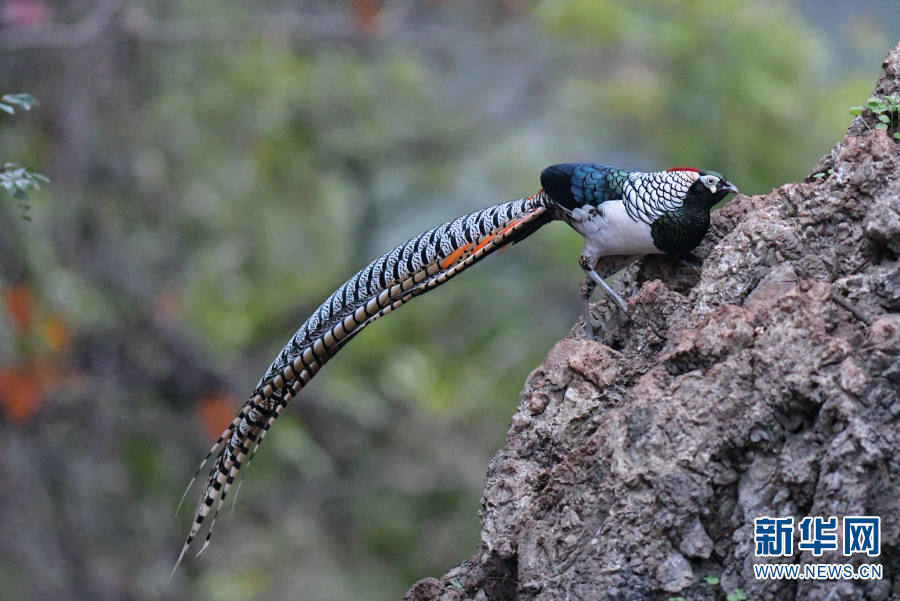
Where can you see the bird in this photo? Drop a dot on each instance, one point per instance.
(622, 215)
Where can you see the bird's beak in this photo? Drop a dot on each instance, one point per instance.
(729, 187)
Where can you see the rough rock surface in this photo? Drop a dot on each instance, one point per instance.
(758, 377)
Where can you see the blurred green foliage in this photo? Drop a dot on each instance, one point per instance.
(741, 86)
(14, 178)
(208, 196)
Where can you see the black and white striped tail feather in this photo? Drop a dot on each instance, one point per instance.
(240, 439)
(486, 230)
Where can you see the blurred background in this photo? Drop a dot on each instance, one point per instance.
(219, 168)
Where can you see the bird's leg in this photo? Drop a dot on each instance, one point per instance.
(587, 289)
(587, 264)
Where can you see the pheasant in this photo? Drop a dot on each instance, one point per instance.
(622, 216)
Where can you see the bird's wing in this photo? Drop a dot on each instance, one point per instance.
(392, 280)
(573, 185)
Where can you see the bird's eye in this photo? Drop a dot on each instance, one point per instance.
(710, 180)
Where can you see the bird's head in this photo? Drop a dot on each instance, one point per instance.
(712, 187)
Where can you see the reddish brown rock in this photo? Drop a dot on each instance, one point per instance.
(760, 377)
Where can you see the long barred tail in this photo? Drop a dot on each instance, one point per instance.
(392, 280)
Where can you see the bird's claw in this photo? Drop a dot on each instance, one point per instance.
(592, 327)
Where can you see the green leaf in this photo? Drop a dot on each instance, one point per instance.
(881, 126)
(897, 135)
(855, 110)
(456, 584)
(819, 175)
(712, 580)
(739, 594)
(876, 105)
(830, 172)
(884, 118)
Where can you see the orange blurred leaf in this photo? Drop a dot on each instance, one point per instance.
(55, 333)
(215, 411)
(20, 306)
(367, 15)
(20, 392)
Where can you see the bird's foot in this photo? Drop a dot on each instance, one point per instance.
(592, 327)
(612, 294)
(588, 326)
(593, 279)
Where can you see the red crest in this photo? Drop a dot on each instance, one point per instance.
(682, 169)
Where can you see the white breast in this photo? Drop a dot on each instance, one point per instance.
(609, 230)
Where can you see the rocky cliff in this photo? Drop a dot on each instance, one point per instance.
(757, 377)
